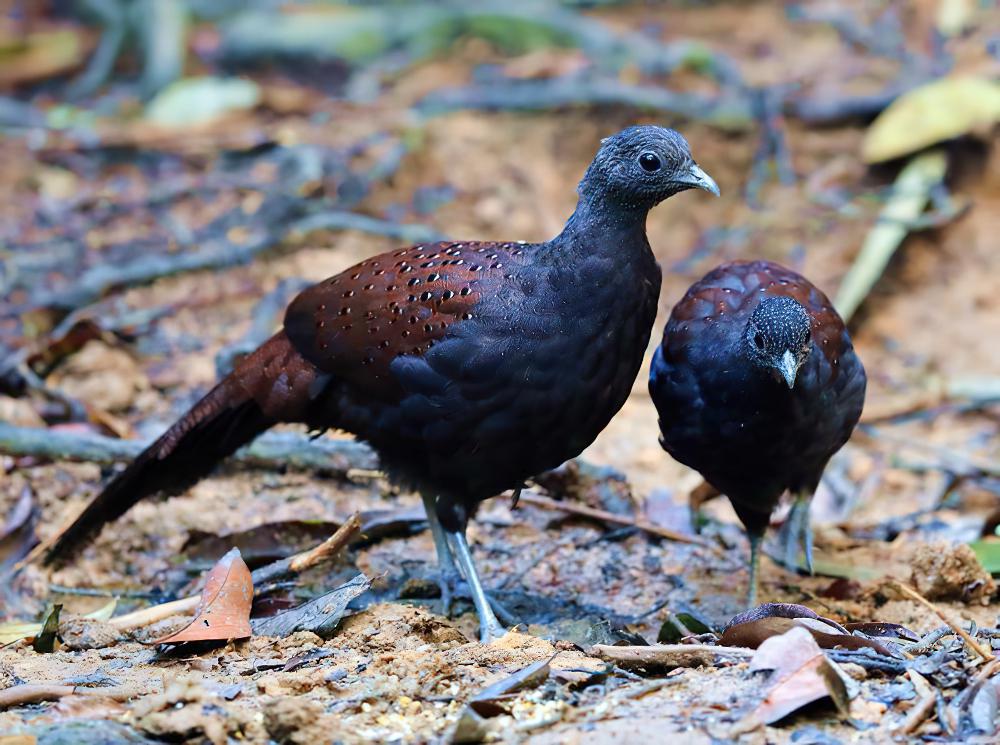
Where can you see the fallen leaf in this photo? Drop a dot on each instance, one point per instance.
(224, 609)
(486, 701)
(199, 100)
(935, 112)
(754, 627)
(41, 55)
(910, 194)
(262, 544)
(15, 630)
(987, 550)
(321, 615)
(17, 534)
(473, 724)
(881, 628)
(45, 641)
(801, 674)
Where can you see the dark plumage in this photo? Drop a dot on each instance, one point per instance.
(469, 367)
(757, 384)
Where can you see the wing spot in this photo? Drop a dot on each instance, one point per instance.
(356, 275)
(426, 296)
(345, 311)
(413, 319)
(414, 282)
(447, 295)
(466, 291)
(349, 293)
(369, 287)
(433, 277)
(466, 316)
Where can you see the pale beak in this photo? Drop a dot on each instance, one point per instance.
(696, 178)
(788, 366)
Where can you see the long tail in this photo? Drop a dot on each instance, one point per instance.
(270, 385)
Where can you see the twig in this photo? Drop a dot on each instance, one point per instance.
(671, 655)
(929, 640)
(730, 111)
(300, 562)
(269, 450)
(610, 517)
(327, 550)
(916, 596)
(28, 693)
(923, 707)
(32, 694)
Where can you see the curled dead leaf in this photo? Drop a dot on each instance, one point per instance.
(224, 609)
(800, 674)
(755, 626)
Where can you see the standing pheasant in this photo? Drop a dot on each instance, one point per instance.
(757, 385)
(469, 366)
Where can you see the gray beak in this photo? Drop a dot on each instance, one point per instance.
(788, 366)
(698, 179)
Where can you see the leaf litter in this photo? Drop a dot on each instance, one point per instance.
(95, 236)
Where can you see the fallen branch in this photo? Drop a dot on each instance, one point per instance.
(610, 517)
(966, 637)
(730, 112)
(289, 567)
(272, 449)
(671, 655)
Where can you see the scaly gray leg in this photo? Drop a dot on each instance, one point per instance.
(448, 576)
(796, 535)
(755, 540)
(489, 627)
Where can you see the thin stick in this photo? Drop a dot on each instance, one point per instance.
(609, 517)
(923, 708)
(31, 693)
(156, 613)
(324, 552)
(966, 637)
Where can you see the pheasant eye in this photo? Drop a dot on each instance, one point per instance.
(649, 162)
(758, 339)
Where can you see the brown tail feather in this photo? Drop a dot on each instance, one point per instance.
(270, 385)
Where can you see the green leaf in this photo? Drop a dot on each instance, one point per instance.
(988, 552)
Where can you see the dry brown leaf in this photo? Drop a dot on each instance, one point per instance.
(754, 627)
(43, 54)
(801, 674)
(224, 610)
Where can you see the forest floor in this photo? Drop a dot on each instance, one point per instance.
(917, 482)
